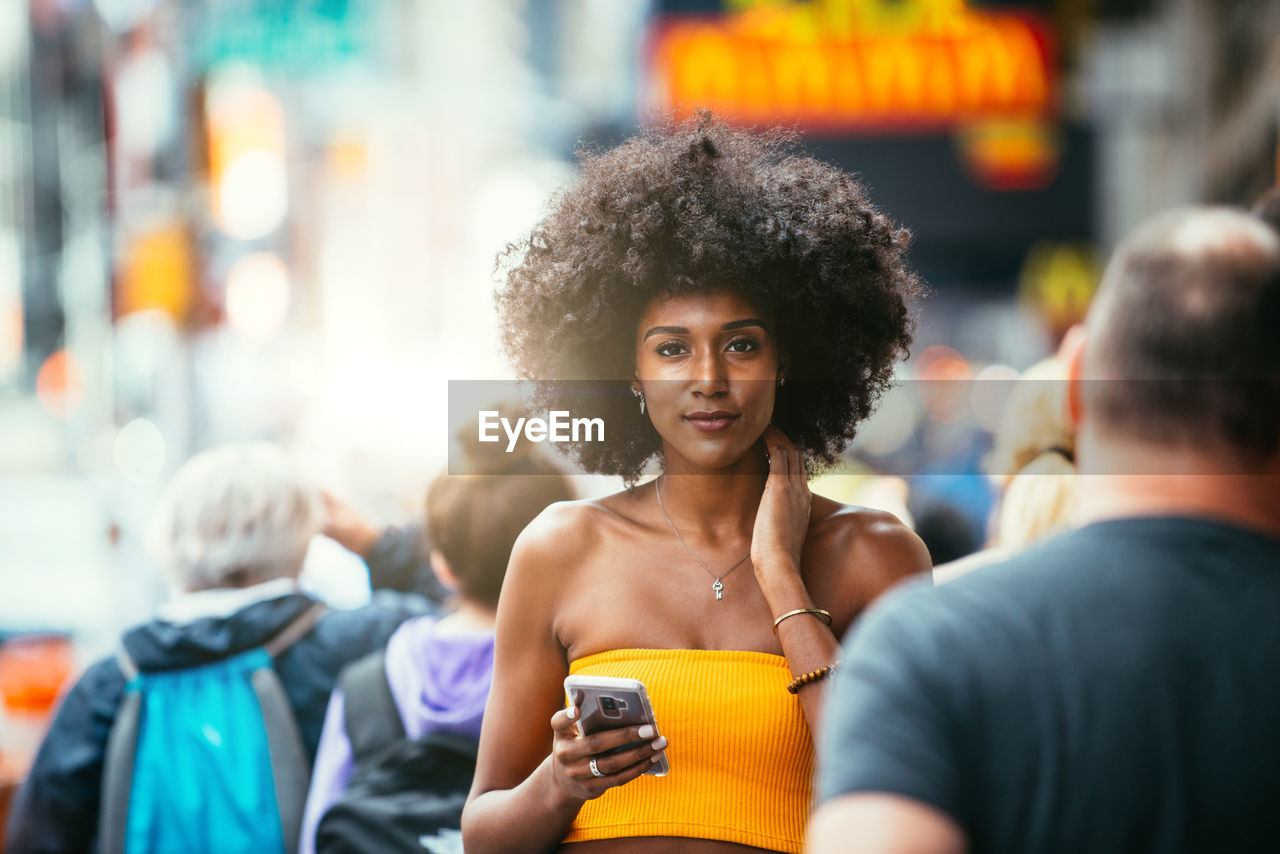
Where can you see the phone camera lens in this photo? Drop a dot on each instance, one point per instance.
(609, 704)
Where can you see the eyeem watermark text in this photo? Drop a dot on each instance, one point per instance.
(558, 427)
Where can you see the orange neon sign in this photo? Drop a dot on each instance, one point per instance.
(828, 63)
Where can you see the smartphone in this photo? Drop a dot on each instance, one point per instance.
(606, 702)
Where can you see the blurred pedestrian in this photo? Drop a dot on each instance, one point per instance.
(231, 530)
(1033, 462)
(1036, 458)
(1112, 690)
(945, 530)
(437, 670)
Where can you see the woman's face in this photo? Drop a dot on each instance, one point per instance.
(709, 365)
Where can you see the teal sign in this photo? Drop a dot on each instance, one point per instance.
(288, 35)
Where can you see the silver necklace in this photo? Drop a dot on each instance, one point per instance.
(717, 586)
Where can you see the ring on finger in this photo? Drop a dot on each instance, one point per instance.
(596, 772)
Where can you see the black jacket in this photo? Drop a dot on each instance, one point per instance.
(57, 807)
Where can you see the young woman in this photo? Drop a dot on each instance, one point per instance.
(753, 302)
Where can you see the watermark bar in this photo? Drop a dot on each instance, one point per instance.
(996, 428)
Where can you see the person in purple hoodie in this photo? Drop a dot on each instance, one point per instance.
(439, 668)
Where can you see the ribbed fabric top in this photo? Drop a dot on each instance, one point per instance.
(740, 751)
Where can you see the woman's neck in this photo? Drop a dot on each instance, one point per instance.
(713, 504)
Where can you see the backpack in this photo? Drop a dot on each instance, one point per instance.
(206, 758)
(405, 794)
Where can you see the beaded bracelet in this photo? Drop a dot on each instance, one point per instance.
(812, 676)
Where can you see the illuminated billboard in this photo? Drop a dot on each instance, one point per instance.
(834, 65)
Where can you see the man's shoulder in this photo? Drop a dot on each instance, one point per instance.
(1076, 580)
(991, 603)
(1052, 568)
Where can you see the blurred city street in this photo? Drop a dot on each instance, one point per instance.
(230, 220)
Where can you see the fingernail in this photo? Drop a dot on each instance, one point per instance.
(573, 713)
(646, 731)
(655, 759)
(659, 742)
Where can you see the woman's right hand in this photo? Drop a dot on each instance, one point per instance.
(571, 755)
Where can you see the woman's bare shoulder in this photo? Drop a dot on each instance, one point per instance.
(856, 520)
(574, 528)
(867, 550)
(547, 559)
(560, 551)
(562, 525)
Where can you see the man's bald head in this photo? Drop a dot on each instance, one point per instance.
(1184, 335)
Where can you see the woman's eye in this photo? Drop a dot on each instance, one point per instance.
(670, 348)
(742, 345)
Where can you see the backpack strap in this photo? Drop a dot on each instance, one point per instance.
(290, 770)
(295, 630)
(117, 765)
(126, 665)
(117, 772)
(370, 716)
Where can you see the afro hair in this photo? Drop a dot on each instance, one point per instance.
(696, 207)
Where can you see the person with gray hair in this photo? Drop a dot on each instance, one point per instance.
(234, 517)
(231, 531)
(1113, 689)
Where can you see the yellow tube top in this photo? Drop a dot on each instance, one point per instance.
(740, 751)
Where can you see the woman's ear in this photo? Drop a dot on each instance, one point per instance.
(443, 572)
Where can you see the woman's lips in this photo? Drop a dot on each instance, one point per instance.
(711, 422)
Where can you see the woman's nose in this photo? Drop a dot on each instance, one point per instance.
(713, 376)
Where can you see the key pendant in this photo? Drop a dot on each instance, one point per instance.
(717, 587)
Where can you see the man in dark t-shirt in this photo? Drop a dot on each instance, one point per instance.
(1090, 694)
(1116, 689)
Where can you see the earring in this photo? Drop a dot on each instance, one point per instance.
(639, 392)
(782, 381)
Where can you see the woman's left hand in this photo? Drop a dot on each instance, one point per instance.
(782, 521)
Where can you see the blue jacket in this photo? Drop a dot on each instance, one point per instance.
(57, 807)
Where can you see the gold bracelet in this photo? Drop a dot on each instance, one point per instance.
(825, 616)
(812, 676)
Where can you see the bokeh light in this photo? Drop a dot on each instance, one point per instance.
(944, 375)
(990, 392)
(892, 424)
(257, 295)
(60, 384)
(254, 194)
(246, 154)
(140, 451)
(10, 337)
